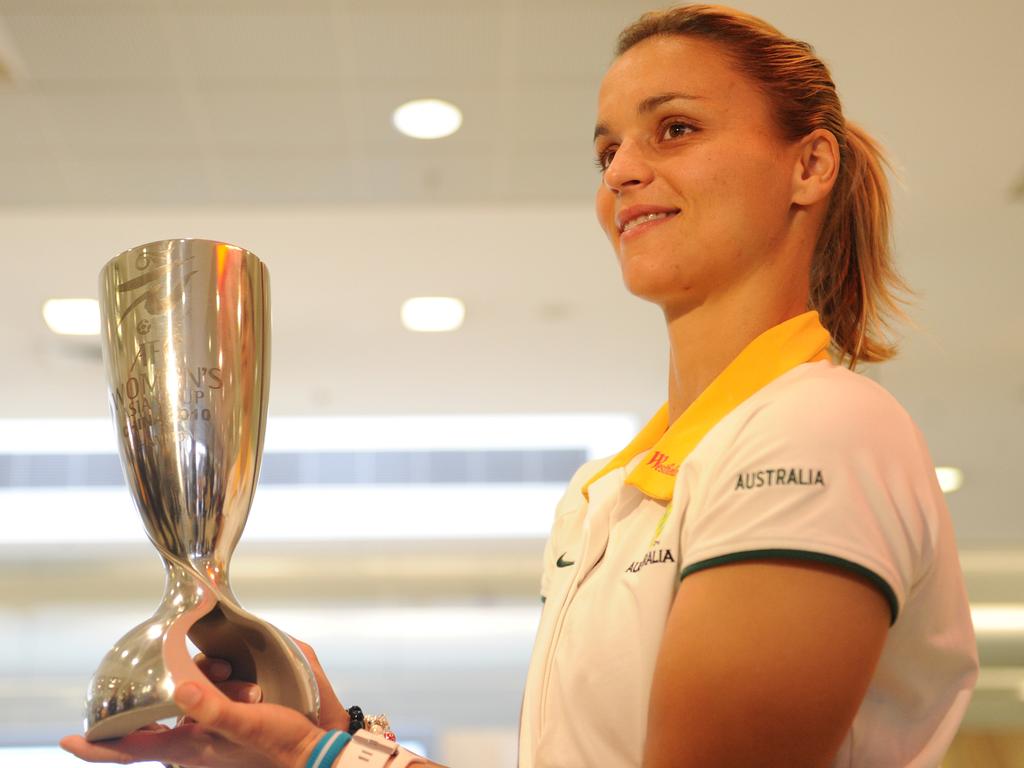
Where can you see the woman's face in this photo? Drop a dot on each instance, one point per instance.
(696, 184)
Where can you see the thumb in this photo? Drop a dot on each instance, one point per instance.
(205, 704)
(273, 731)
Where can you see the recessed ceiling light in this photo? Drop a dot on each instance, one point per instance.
(950, 478)
(433, 313)
(427, 119)
(73, 317)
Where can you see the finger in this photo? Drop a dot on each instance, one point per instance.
(94, 753)
(205, 704)
(150, 727)
(215, 669)
(333, 714)
(178, 745)
(239, 690)
(273, 731)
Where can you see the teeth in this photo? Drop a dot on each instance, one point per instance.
(643, 220)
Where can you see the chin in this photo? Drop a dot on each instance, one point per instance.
(660, 289)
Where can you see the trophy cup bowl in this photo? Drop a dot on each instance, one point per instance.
(186, 348)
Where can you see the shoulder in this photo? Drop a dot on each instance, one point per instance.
(824, 405)
(824, 463)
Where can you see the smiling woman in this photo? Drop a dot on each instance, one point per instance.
(766, 575)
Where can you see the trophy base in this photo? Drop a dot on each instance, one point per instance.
(123, 723)
(135, 682)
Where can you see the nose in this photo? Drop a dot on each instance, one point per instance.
(628, 168)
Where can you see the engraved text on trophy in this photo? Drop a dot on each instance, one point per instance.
(147, 384)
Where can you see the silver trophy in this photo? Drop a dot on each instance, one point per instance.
(186, 347)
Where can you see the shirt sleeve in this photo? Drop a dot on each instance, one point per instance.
(832, 474)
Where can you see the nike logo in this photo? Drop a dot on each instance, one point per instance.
(564, 563)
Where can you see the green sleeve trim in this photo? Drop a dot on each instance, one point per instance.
(799, 554)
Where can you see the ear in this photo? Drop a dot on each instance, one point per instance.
(817, 167)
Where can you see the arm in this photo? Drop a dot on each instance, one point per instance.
(219, 731)
(763, 663)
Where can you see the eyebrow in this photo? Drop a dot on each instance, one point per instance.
(649, 105)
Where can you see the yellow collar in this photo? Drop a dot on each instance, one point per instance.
(800, 339)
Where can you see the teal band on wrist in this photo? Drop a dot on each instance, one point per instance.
(327, 749)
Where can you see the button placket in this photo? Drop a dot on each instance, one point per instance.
(604, 496)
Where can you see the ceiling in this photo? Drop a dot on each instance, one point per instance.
(267, 124)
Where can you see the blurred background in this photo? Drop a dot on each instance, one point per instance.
(409, 478)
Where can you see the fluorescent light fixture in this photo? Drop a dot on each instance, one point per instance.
(433, 314)
(998, 618)
(442, 623)
(73, 317)
(301, 513)
(950, 478)
(423, 512)
(57, 436)
(427, 119)
(600, 434)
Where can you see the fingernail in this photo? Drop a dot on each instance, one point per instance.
(220, 669)
(187, 694)
(255, 694)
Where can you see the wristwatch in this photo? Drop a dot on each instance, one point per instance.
(370, 750)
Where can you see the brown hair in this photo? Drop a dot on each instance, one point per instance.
(853, 284)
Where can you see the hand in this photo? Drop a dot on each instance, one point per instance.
(219, 673)
(218, 733)
(333, 715)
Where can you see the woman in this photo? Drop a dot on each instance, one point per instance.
(766, 575)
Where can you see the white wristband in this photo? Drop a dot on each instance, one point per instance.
(404, 758)
(368, 750)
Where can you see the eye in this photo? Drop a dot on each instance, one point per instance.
(673, 129)
(604, 158)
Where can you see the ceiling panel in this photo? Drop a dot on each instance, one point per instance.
(552, 116)
(577, 37)
(241, 117)
(424, 45)
(139, 117)
(89, 44)
(257, 46)
(138, 175)
(298, 175)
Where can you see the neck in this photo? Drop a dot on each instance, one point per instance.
(704, 339)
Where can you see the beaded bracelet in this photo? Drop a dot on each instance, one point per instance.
(355, 719)
(327, 749)
(377, 724)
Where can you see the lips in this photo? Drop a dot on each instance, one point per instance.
(636, 215)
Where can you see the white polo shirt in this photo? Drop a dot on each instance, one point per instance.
(821, 464)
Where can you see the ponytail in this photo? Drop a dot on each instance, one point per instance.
(854, 286)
